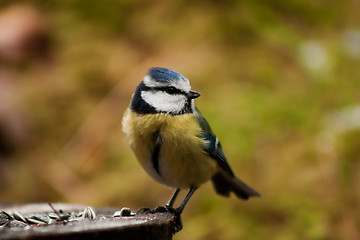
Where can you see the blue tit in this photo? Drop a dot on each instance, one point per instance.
(173, 141)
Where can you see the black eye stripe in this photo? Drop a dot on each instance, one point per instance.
(169, 90)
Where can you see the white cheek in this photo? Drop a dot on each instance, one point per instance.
(164, 102)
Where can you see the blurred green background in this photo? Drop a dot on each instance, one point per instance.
(280, 84)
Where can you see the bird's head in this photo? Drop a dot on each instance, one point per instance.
(164, 91)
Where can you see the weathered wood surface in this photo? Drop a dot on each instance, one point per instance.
(103, 226)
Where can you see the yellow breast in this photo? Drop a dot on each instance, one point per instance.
(182, 160)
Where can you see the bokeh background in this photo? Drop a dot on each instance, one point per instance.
(280, 84)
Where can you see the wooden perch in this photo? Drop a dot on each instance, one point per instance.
(68, 221)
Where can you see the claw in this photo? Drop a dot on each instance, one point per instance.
(176, 212)
(177, 217)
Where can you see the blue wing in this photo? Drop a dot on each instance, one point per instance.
(214, 147)
(224, 181)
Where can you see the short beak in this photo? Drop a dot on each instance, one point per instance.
(193, 94)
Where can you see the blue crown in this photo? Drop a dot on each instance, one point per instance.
(164, 74)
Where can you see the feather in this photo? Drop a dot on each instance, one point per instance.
(213, 146)
(224, 184)
(224, 181)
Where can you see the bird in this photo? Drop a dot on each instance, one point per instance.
(173, 141)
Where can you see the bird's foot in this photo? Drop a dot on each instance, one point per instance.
(160, 209)
(176, 212)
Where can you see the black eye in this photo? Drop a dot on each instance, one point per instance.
(172, 90)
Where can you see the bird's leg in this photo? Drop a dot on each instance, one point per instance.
(173, 197)
(177, 211)
(180, 209)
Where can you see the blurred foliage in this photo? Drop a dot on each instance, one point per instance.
(279, 83)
